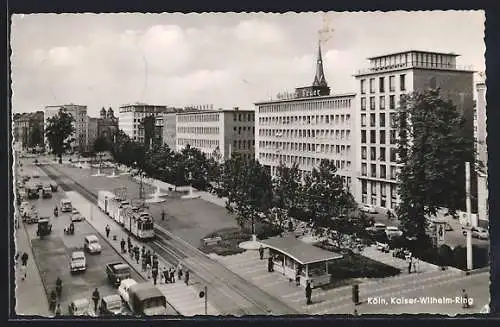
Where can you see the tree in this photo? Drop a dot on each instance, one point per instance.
(102, 144)
(59, 133)
(433, 150)
(326, 196)
(287, 187)
(36, 137)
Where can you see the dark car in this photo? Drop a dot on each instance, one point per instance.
(111, 305)
(117, 272)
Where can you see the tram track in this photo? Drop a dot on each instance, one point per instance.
(230, 293)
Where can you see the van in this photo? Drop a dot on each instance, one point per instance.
(91, 244)
(66, 205)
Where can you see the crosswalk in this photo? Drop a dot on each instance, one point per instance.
(186, 299)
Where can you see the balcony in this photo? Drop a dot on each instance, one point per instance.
(414, 64)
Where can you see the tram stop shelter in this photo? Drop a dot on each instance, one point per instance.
(290, 255)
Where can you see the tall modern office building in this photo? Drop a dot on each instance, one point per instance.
(304, 127)
(80, 122)
(380, 89)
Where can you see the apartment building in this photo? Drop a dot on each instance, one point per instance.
(131, 116)
(381, 87)
(306, 127)
(217, 133)
(29, 129)
(480, 135)
(79, 114)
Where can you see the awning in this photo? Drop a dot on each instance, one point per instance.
(301, 252)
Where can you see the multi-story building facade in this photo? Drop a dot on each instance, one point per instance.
(169, 130)
(79, 114)
(104, 126)
(91, 132)
(217, 133)
(29, 129)
(380, 89)
(130, 118)
(309, 126)
(482, 152)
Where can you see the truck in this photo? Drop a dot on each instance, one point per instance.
(145, 299)
(116, 272)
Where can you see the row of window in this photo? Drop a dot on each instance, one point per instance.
(250, 117)
(307, 120)
(382, 154)
(300, 160)
(244, 129)
(309, 105)
(198, 130)
(387, 191)
(198, 118)
(198, 143)
(382, 137)
(343, 150)
(381, 84)
(382, 173)
(381, 102)
(310, 133)
(381, 120)
(243, 144)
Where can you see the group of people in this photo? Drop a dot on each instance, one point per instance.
(24, 262)
(55, 298)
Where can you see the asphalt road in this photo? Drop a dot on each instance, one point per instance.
(190, 219)
(53, 252)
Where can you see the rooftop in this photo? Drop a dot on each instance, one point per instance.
(419, 51)
(299, 251)
(297, 99)
(214, 111)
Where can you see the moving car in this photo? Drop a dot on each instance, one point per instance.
(116, 272)
(78, 262)
(145, 299)
(44, 227)
(479, 233)
(80, 307)
(111, 305)
(91, 244)
(66, 205)
(46, 192)
(76, 216)
(123, 288)
(368, 209)
(393, 231)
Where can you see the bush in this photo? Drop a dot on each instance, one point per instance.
(357, 266)
(266, 230)
(445, 255)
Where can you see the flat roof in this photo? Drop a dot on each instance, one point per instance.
(299, 251)
(321, 97)
(420, 51)
(200, 112)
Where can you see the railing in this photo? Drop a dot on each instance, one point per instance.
(414, 64)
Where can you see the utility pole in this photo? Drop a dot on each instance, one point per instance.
(469, 218)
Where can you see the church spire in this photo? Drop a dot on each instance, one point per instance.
(319, 79)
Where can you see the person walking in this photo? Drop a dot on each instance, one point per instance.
(409, 264)
(465, 299)
(166, 275)
(129, 243)
(144, 264)
(122, 245)
(24, 259)
(270, 264)
(172, 275)
(154, 273)
(136, 251)
(52, 300)
(308, 293)
(143, 251)
(23, 272)
(108, 230)
(179, 271)
(261, 252)
(96, 297)
(186, 279)
(148, 271)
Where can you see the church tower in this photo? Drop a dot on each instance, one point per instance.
(319, 79)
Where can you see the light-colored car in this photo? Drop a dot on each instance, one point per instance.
(80, 307)
(123, 288)
(25, 208)
(393, 231)
(479, 233)
(76, 216)
(368, 209)
(78, 262)
(91, 244)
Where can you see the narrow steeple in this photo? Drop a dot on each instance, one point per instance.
(319, 79)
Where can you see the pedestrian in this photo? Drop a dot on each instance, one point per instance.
(154, 273)
(415, 265)
(137, 257)
(162, 214)
(52, 300)
(409, 265)
(465, 299)
(16, 258)
(108, 230)
(95, 297)
(129, 243)
(172, 275)
(308, 293)
(122, 245)
(270, 264)
(144, 264)
(297, 276)
(179, 271)
(23, 272)
(58, 310)
(148, 270)
(261, 252)
(24, 259)
(187, 277)
(143, 251)
(166, 275)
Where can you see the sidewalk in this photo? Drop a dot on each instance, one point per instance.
(184, 299)
(31, 299)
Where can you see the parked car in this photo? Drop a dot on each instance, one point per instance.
(66, 205)
(46, 192)
(78, 262)
(53, 186)
(25, 208)
(479, 233)
(393, 231)
(111, 305)
(91, 244)
(76, 216)
(116, 272)
(368, 209)
(123, 288)
(377, 227)
(80, 307)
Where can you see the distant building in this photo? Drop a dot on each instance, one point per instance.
(104, 126)
(306, 127)
(482, 152)
(169, 130)
(131, 118)
(29, 129)
(217, 133)
(79, 113)
(381, 87)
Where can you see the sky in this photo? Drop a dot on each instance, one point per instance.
(226, 60)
